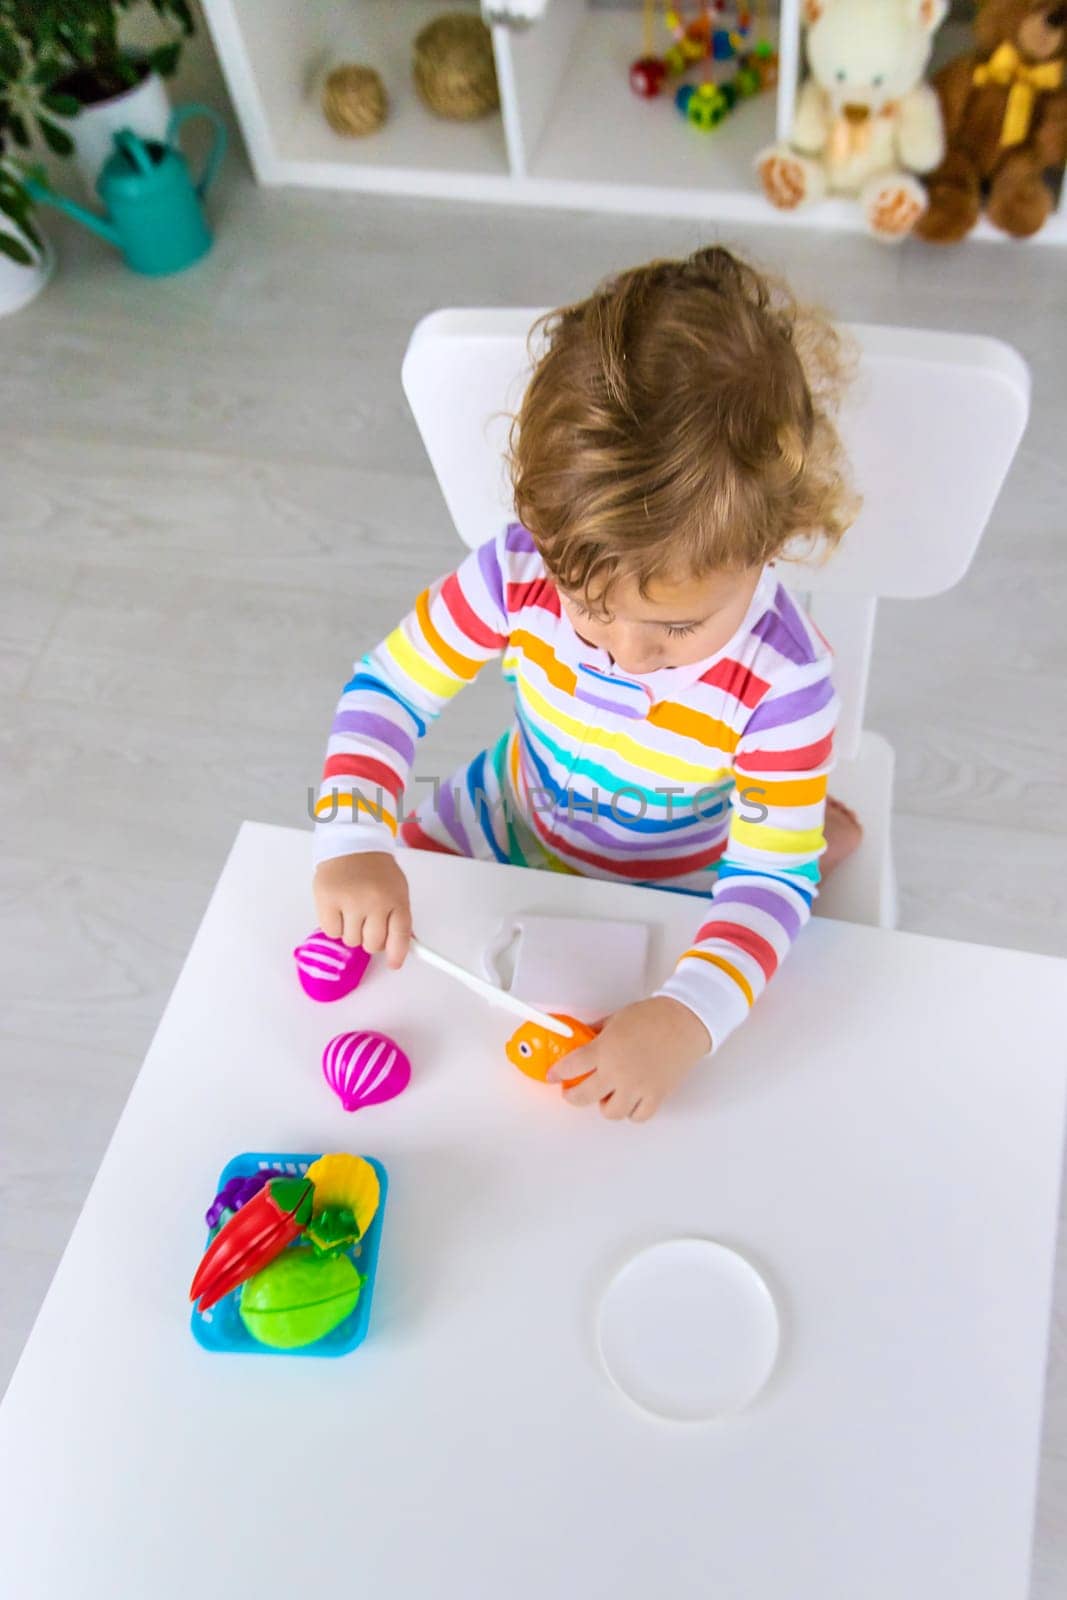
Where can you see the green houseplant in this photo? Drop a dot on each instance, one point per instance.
(58, 57)
(81, 37)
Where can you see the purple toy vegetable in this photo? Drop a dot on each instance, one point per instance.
(237, 1193)
(364, 1069)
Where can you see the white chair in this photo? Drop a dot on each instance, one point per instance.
(921, 401)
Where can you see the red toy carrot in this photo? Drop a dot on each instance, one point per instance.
(252, 1237)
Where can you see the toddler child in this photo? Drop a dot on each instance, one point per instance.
(674, 710)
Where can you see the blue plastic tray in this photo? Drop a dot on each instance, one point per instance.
(221, 1328)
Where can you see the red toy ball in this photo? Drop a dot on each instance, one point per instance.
(646, 77)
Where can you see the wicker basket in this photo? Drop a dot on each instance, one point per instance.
(454, 70)
(354, 101)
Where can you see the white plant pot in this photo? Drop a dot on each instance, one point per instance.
(19, 285)
(145, 109)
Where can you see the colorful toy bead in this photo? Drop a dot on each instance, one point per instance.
(647, 76)
(724, 44)
(747, 81)
(682, 97)
(707, 107)
(730, 94)
(675, 61)
(765, 64)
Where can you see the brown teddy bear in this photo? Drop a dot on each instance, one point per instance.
(1005, 112)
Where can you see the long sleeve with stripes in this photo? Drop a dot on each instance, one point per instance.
(396, 691)
(769, 875)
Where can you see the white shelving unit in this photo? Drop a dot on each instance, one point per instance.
(570, 131)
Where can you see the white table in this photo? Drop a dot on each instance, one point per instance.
(882, 1139)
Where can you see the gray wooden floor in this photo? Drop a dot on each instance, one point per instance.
(213, 498)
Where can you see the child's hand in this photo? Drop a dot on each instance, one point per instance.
(363, 899)
(640, 1056)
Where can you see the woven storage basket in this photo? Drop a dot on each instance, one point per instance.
(453, 66)
(354, 101)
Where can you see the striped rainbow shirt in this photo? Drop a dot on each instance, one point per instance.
(707, 779)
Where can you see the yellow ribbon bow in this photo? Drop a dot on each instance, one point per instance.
(1006, 67)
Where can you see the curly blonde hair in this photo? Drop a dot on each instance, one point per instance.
(679, 421)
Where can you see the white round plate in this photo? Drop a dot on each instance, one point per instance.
(688, 1330)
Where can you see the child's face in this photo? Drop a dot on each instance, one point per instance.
(674, 625)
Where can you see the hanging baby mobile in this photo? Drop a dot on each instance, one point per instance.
(715, 44)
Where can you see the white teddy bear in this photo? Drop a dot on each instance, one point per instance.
(865, 121)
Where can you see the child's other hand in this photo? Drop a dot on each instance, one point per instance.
(639, 1057)
(363, 899)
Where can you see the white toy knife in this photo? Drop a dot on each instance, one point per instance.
(489, 991)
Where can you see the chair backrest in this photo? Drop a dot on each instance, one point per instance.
(931, 425)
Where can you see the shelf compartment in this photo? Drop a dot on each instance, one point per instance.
(289, 45)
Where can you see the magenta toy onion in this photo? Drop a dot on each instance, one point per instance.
(365, 1069)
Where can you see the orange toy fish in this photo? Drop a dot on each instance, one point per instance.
(534, 1050)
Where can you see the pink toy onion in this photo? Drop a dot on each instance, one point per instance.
(365, 1069)
(327, 968)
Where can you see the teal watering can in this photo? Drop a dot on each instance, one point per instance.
(153, 210)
